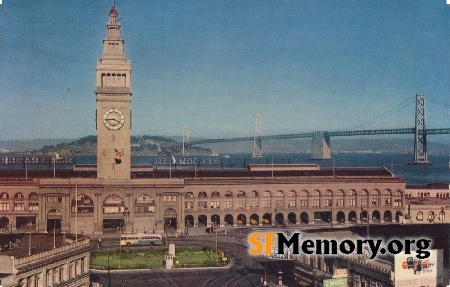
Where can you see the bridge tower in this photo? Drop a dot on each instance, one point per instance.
(420, 132)
(257, 152)
(320, 146)
(184, 150)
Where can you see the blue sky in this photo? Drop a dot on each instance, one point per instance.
(211, 65)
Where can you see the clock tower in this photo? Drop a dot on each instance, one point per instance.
(113, 97)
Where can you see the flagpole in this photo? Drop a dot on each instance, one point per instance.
(54, 234)
(170, 165)
(76, 212)
(54, 167)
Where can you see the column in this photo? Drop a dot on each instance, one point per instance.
(129, 218)
(98, 211)
(40, 220)
(66, 212)
(159, 213)
(181, 224)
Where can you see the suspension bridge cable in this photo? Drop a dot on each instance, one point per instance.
(442, 104)
(386, 114)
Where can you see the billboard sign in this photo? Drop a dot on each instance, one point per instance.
(411, 271)
(336, 282)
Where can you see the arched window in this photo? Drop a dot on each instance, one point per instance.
(241, 194)
(202, 201)
(240, 200)
(328, 198)
(19, 203)
(279, 201)
(189, 200)
(375, 197)
(144, 204)
(85, 204)
(340, 198)
(419, 216)
(228, 202)
(4, 204)
(364, 197)
(215, 194)
(266, 201)
(291, 199)
(387, 197)
(398, 198)
(253, 201)
(430, 216)
(33, 203)
(351, 200)
(303, 197)
(441, 216)
(113, 204)
(316, 198)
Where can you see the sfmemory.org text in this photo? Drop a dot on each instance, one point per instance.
(263, 243)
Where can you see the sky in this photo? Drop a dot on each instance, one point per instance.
(212, 65)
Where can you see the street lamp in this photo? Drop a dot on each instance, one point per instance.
(126, 213)
(29, 238)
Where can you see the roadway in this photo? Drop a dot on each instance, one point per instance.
(244, 271)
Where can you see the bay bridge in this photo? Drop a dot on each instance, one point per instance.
(320, 143)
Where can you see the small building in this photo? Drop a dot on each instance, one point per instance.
(432, 210)
(44, 260)
(359, 270)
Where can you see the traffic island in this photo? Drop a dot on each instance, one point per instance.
(186, 257)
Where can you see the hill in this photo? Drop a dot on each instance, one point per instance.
(140, 145)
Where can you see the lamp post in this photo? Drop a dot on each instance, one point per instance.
(29, 238)
(126, 213)
(280, 278)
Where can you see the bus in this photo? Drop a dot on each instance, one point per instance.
(141, 239)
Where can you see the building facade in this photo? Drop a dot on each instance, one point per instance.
(67, 264)
(94, 206)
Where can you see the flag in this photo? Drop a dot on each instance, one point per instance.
(118, 156)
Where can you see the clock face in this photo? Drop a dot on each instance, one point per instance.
(113, 119)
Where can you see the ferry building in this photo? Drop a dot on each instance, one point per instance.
(276, 195)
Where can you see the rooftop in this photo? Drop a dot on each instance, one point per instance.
(18, 245)
(441, 201)
(253, 172)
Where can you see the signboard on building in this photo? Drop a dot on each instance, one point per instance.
(336, 282)
(339, 273)
(411, 271)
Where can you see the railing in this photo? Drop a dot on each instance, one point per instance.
(46, 254)
(399, 131)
